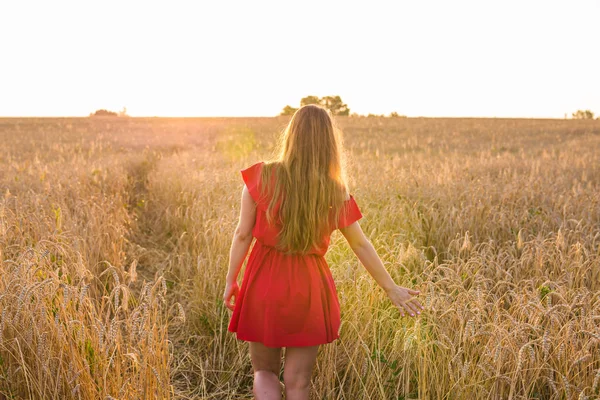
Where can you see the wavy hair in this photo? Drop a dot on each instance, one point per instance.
(309, 179)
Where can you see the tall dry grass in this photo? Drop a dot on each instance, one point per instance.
(115, 237)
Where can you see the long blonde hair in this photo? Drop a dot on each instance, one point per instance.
(309, 179)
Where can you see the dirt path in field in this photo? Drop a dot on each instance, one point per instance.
(141, 247)
(153, 256)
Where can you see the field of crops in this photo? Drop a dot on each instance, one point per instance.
(115, 235)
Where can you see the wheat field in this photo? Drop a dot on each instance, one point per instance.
(115, 234)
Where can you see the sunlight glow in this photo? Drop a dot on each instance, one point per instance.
(426, 58)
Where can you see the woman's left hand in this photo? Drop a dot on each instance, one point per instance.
(403, 298)
(231, 290)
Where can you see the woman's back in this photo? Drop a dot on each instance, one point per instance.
(268, 233)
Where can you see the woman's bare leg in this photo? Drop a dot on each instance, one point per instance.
(266, 362)
(297, 371)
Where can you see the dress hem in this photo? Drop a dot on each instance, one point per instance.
(292, 344)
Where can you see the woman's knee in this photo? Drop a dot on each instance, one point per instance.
(265, 381)
(294, 379)
(265, 375)
(298, 368)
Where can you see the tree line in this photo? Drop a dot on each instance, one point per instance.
(332, 103)
(583, 114)
(107, 113)
(335, 105)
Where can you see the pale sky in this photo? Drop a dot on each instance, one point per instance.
(250, 58)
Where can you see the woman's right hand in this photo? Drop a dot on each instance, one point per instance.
(231, 292)
(403, 299)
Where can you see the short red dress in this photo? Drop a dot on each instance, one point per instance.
(286, 300)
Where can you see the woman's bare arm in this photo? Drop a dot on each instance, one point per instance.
(242, 238)
(364, 250)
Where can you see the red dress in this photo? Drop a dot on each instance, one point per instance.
(286, 300)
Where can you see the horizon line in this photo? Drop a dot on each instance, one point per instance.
(277, 116)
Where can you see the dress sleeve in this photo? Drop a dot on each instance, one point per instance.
(349, 214)
(251, 177)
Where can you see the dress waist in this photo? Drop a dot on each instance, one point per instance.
(312, 252)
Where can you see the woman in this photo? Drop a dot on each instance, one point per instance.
(288, 297)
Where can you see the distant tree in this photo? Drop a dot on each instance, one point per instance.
(332, 103)
(103, 113)
(581, 114)
(335, 105)
(288, 110)
(310, 100)
(123, 112)
(394, 114)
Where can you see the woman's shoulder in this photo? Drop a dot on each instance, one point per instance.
(253, 178)
(262, 165)
(342, 187)
(257, 166)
